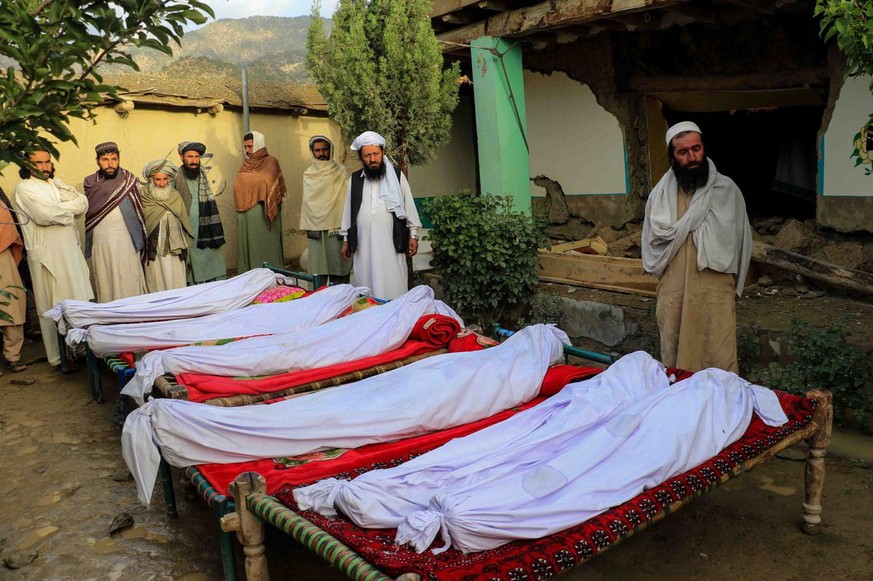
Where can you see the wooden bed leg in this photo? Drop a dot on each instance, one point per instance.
(815, 460)
(249, 529)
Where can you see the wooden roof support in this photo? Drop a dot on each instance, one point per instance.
(549, 14)
(748, 82)
(441, 7)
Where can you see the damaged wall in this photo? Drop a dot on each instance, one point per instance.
(845, 201)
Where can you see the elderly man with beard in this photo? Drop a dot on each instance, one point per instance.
(258, 192)
(48, 209)
(698, 242)
(380, 222)
(114, 228)
(321, 214)
(205, 258)
(167, 228)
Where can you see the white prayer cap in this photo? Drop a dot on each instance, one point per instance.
(681, 128)
(368, 138)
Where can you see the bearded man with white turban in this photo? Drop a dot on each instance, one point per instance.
(258, 192)
(321, 213)
(380, 222)
(698, 242)
(168, 231)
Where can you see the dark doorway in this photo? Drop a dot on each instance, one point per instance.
(770, 154)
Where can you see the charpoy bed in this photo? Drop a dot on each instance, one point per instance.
(123, 367)
(372, 554)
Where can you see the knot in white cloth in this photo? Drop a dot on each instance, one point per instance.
(76, 337)
(56, 312)
(321, 496)
(420, 528)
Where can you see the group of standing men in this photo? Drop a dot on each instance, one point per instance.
(167, 232)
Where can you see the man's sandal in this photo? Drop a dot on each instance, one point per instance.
(15, 366)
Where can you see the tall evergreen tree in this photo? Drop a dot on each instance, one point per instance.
(381, 69)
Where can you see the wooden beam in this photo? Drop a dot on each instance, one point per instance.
(457, 18)
(605, 272)
(549, 14)
(440, 7)
(817, 270)
(749, 82)
(494, 5)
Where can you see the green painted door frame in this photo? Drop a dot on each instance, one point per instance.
(501, 121)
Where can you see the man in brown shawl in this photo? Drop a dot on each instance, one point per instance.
(114, 228)
(258, 191)
(167, 228)
(12, 315)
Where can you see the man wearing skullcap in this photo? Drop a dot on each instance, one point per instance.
(49, 209)
(258, 192)
(380, 222)
(114, 228)
(698, 242)
(321, 213)
(167, 228)
(205, 257)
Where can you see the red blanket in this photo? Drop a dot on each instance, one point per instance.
(431, 332)
(321, 465)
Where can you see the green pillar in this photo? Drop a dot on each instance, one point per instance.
(501, 121)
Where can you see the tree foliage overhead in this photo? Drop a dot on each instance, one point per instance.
(851, 21)
(57, 45)
(381, 69)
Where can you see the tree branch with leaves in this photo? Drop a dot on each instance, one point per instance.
(57, 46)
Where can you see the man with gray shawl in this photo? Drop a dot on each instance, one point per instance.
(321, 213)
(205, 258)
(698, 242)
(167, 228)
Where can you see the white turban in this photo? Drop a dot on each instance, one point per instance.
(389, 188)
(368, 138)
(681, 128)
(258, 142)
(159, 166)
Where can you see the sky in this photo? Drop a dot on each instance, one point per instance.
(244, 8)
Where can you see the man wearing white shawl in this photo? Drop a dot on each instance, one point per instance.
(380, 222)
(54, 250)
(321, 213)
(697, 240)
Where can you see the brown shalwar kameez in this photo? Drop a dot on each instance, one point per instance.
(696, 310)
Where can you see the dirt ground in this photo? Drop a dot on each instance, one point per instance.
(63, 480)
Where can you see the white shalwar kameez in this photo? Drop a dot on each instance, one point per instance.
(167, 271)
(432, 394)
(115, 261)
(363, 334)
(179, 303)
(377, 264)
(558, 464)
(254, 320)
(54, 253)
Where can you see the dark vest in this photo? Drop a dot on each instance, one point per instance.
(401, 230)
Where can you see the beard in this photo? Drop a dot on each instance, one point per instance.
(160, 194)
(107, 176)
(375, 174)
(691, 179)
(192, 173)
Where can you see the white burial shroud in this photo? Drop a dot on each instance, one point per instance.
(178, 303)
(369, 332)
(264, 319)
(593, 446)
(432, 394)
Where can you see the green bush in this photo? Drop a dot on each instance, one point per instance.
(485, 252)
(824, 358)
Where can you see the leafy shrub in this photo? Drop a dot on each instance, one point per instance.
(748, 347)
(824, 358)
(486, 253)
